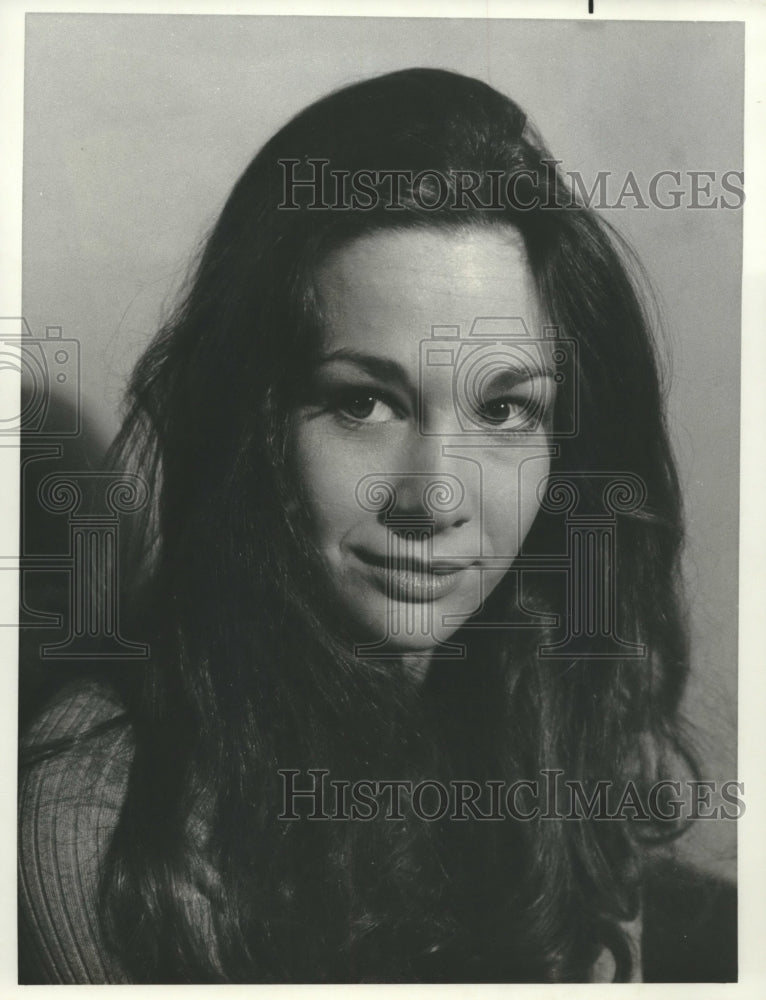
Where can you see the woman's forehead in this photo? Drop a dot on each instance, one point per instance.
(391, 288)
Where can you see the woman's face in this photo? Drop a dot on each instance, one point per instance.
(422, 448)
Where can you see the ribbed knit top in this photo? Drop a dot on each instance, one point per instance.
(69, 806)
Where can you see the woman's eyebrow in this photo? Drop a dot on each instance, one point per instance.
(389, 370)
(382, 368)
(521, 371)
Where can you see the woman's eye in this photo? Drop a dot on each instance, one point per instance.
(526, 408)
(498, 411)
(366, 407)
(518, 414)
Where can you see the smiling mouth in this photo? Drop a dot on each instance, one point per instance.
(412, 579)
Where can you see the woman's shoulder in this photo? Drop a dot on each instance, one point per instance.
(75, 764)
(77, 752)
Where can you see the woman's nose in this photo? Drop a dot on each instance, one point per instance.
(433, 487)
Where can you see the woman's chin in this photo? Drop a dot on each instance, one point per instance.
(408, 630)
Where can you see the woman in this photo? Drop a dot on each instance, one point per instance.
(407, 363)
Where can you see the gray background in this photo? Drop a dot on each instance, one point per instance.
(137, 126)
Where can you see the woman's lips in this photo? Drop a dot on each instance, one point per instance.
(411, 579)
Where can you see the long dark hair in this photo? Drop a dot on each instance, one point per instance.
(250, 672)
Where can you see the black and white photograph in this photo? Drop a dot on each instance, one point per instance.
(379, 464)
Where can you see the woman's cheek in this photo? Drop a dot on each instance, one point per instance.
(533, 480)
(511, 498)
(330, 464)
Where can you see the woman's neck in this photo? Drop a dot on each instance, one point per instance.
(416, 665)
